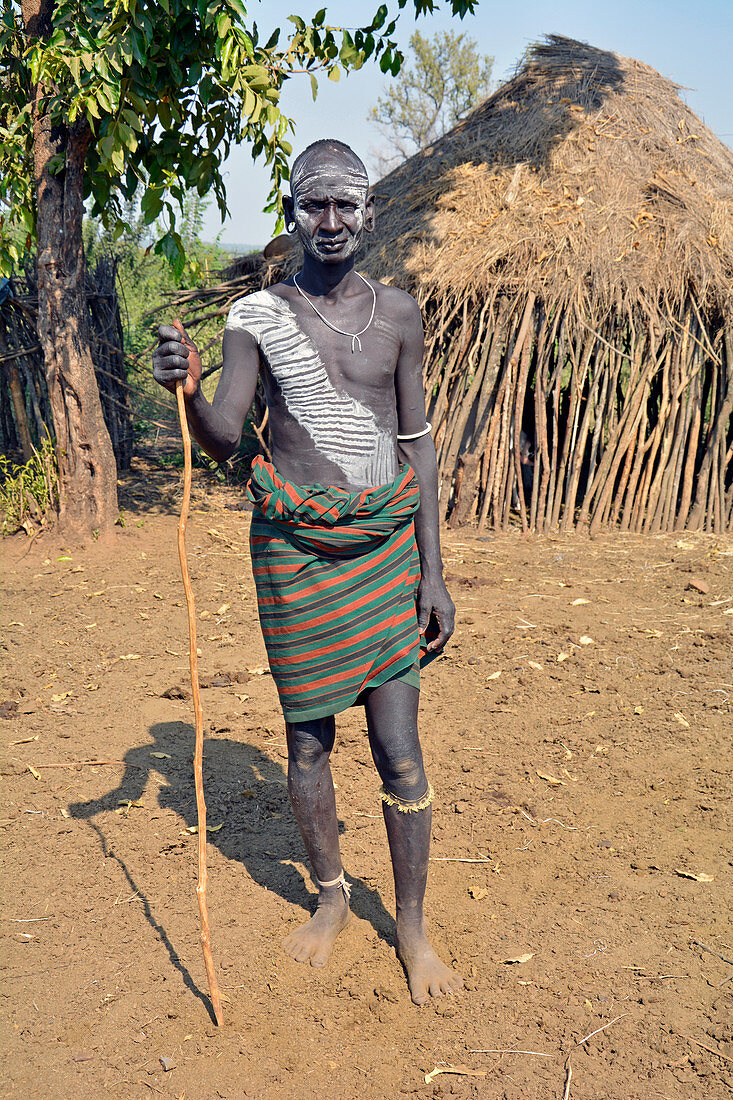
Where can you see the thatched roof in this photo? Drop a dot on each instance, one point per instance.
(585, 178)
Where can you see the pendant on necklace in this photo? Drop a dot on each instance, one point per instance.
(353, 335)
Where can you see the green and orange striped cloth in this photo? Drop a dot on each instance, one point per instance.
(336, 574)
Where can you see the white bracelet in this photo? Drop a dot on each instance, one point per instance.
(417, 435)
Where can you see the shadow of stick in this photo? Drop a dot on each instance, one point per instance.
(157, 928)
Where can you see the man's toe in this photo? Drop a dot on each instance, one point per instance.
(321, 953)
(419, 993)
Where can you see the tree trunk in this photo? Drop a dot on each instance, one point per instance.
(87, 470)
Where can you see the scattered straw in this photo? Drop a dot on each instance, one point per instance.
(458, 859)
(90, 763)
(710, 951)
(453, 1069)
(711, 1050)
(533, 1053)
(568, 1079)
(580, 1043)
(597, 1031)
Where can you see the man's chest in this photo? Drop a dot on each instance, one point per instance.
(344, 399)
(304, 348)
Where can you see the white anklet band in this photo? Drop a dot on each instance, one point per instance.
(340, 881)
(418, 435)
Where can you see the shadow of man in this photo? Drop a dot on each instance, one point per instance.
(246, 792)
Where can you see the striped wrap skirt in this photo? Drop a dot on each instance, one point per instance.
(336, 574)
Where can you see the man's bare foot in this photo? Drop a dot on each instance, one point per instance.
(312, 942)
(427, 976)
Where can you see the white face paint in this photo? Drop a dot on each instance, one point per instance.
(330, 193)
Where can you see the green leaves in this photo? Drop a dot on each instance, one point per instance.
(151, 204)
(238, 7)
(170, 245)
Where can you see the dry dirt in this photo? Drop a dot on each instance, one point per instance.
(577, 733)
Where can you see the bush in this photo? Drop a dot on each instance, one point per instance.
(29, 494)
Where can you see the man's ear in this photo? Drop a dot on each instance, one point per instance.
(369, 214)
(288, 210)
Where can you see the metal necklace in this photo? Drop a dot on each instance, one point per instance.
(353, 336)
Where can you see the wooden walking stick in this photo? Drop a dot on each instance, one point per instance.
(197, 708)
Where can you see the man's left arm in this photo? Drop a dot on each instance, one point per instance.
(433, 598)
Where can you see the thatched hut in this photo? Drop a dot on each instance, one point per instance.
(571, 246)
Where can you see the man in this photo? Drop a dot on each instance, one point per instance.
(345, 544)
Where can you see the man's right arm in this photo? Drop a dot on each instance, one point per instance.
(217, 427)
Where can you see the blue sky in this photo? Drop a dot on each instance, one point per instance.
(690, 42)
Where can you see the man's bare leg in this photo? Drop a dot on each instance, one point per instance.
(314, 805)
(392, 721)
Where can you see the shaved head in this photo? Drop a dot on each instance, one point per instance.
(323, 157)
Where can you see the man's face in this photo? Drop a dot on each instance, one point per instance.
(331, 207)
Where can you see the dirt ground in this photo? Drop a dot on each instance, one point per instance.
(577, 733)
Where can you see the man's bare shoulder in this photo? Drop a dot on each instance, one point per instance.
(401, 305)
(262, 306)
(257, 297)
(284, 290)
(394, 297)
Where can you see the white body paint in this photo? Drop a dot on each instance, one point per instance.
(342, 429)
